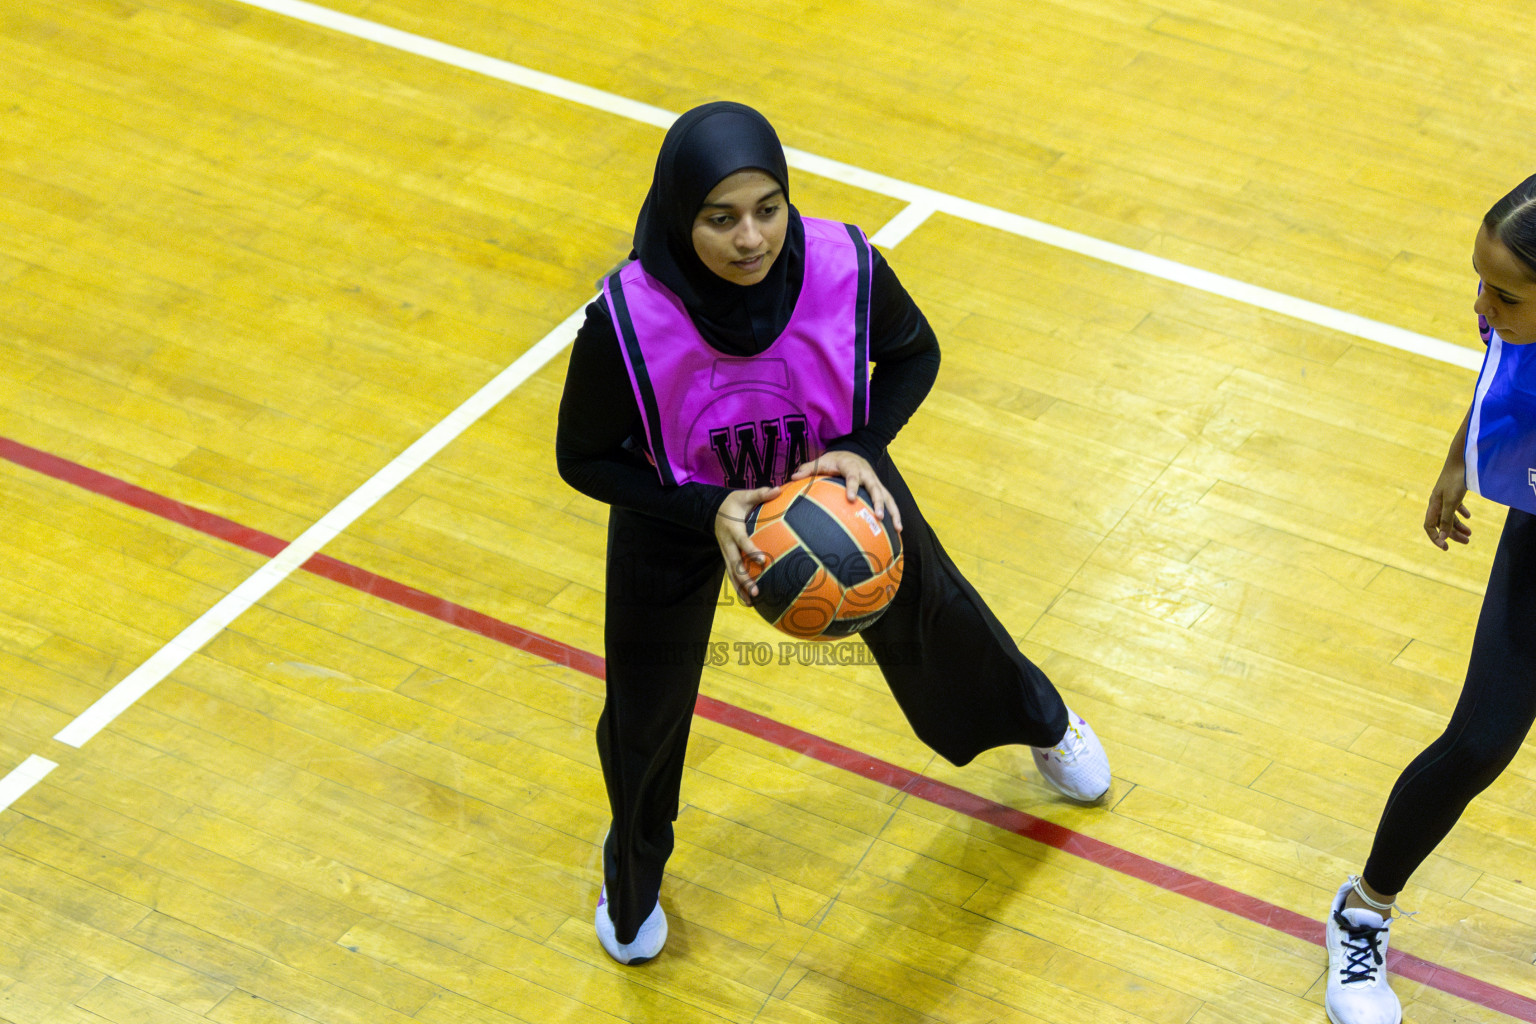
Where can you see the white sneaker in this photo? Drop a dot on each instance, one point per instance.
(1077, 766)
(648, 940)
(1358, 992)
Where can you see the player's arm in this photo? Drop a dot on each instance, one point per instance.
(1444, 519)
(905, 352)
(595, 450)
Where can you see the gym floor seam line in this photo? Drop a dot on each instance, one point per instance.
(941, 794)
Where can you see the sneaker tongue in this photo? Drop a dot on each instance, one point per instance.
(1361, 917)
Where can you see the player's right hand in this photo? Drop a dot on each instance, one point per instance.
(1445, 518)
(735, 543)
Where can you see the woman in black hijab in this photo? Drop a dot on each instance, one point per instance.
(704, 147)
(721, 250)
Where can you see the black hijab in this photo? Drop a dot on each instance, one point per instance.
(702, 148)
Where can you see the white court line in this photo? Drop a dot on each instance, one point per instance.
(928, 200)
(170, 657)
(903, 224)
(22, 778)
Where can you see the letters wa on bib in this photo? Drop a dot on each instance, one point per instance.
(747, 422)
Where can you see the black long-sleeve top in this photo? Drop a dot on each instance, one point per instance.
(597, 442)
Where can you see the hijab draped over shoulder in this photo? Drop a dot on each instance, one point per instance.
(702, 148)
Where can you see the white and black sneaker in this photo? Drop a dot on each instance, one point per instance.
(647, 942)
(1358, 992)
(1077, 766)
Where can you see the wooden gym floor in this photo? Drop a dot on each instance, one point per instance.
(252, 254)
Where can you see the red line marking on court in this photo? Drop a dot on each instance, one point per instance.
(942, 794)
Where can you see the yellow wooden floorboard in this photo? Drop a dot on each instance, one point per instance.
(27, 1004)
(320, 894)
(952, 953)
(494, 968)
(113, 956)
(30, 973)
(248, 260)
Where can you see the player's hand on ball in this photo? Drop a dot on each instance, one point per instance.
(735, 544)
(855, 469)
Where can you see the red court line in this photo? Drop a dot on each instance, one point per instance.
(939, 793)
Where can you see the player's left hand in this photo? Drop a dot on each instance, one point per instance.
(855, 469)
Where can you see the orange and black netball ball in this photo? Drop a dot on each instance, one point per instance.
(832, 566)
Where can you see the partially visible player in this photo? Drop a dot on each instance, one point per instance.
(1498, 698)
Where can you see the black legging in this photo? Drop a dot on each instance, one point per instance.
(956, 673)
(1492, 716)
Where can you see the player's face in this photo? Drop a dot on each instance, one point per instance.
(1508, 297)
(739, 230)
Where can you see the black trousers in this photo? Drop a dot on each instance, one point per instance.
(1491, 719)
(954, 670)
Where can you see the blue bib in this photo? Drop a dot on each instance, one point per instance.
(1501, 433)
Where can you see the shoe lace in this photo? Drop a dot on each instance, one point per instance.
(1070, 747)
(1363, 950)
